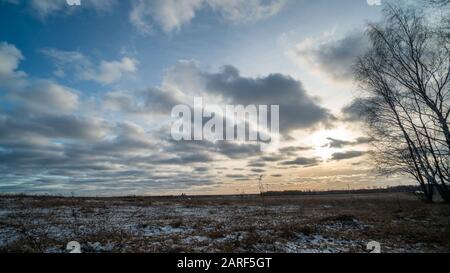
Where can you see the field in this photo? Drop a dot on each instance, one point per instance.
(293, 224)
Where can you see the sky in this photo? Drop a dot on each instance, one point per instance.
(86, 93)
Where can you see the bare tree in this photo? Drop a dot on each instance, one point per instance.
(405, 76)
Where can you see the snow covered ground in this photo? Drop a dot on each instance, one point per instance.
(299, 224)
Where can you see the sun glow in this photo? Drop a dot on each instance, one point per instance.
(320, 141)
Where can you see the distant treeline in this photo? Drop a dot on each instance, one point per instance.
(410, 189)
(362, 191)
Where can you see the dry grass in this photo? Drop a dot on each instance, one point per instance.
(322, 223)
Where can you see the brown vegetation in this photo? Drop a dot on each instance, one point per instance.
(317, 223)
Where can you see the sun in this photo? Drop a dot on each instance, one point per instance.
(320, 141)
(324, 153)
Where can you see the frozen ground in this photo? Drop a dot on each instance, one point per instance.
(294, 224)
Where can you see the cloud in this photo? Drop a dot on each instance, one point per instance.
(45, 95)
(256, 163)
(40, 116)
(171, 15)
(128, 138)
(273, 157)
(239, 11)
(10, 58)
(72, 61)
(333, 56)
(201, 169)
(151, 101)
(185, 159)
(168, 14)
(106, 72)
(53, 135)
(41, 95)
(302, 161)
(298, 110)
(230, 149)
(238, 177)
(110, 72)
(337, 143)
(43, 128)
(235, 150)
(186, 80)
(89, 155)
(256, 170)
(44, 8)
(354, 111)
(347, 155)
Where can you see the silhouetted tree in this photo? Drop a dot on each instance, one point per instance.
(405, 78)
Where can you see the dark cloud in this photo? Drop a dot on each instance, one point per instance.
(237, 150)
(67, 153)
(363, 140)
(273, 157)
(239, 177)
(61, 126)
(283, 154)
(129, 138)
(230, 149)
(54, 138)
(337, 143)
(298, 110)
(201, 169)
(347, 155)
(354, 111)
(185, 159)
(292, 149)
(336, 57)
(302, 161)
(256, 163)
(150, 101)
